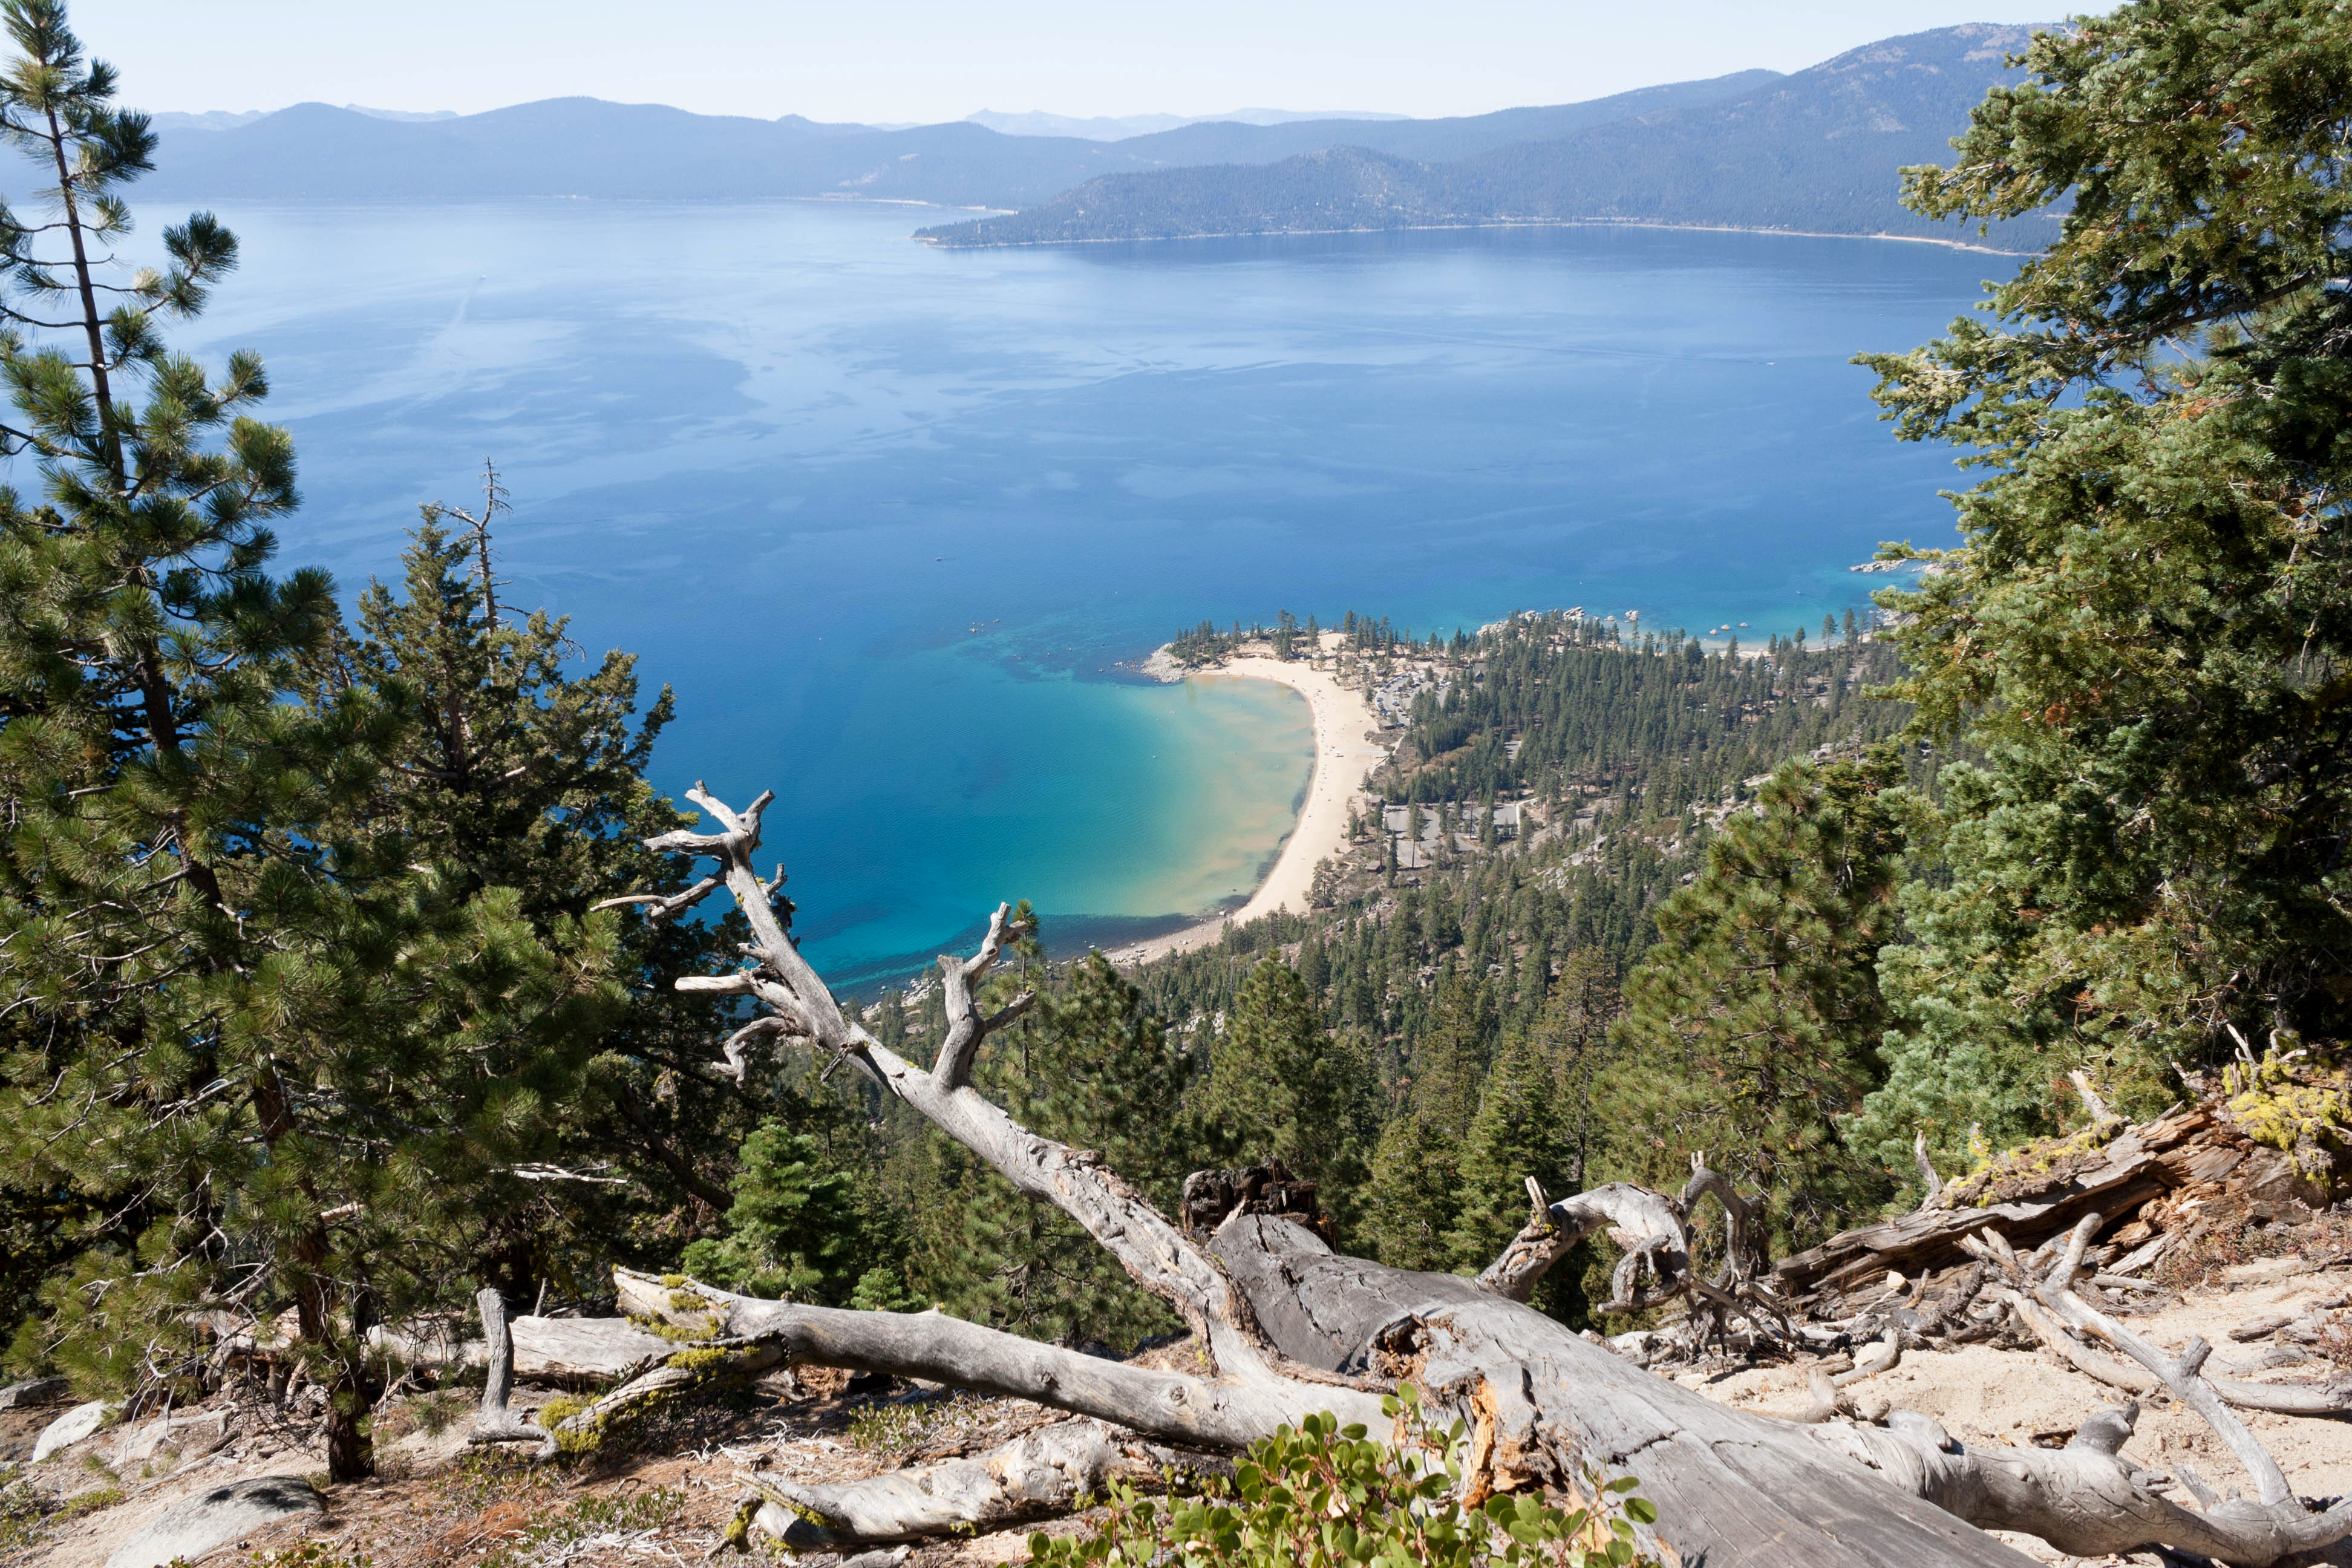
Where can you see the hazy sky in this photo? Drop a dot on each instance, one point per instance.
(941, 59)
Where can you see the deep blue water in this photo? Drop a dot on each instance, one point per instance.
(886, 516)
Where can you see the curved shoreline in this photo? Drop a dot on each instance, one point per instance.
(1347, 750)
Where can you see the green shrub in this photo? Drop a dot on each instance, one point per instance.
(1325, 1496)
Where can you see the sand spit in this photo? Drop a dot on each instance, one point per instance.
(1347, 749)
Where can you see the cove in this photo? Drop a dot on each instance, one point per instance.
(891, 519)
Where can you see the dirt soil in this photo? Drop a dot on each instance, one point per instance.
(664, 1493)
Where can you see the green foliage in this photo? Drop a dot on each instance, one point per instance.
(603, 1514)
(1538, 1117)
(1755, 1023)
(1326, 1496)
(2148, 633)
(1092, 1065)
(804, 1226)
(256, 1056)
(314, 1553)
(1204, 646)
(301, 988)
(1410, 1206)
(889, 1427)
(1280, 1087)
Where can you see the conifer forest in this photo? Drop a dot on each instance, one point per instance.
(359, 984)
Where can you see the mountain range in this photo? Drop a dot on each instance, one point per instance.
(587, 147)
(1118, 128)
(1815, 149)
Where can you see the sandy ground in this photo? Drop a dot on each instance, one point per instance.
(1987, 1397)
(425, 1511)
(1347, 750)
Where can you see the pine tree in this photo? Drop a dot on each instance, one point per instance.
(1755, 1023)
(1537, 1116)
(807, 1223)
(2148, 632)
(1093, 1066)
(1518, 1132)
(258, 1060)
(508, 773)
(1410, 1205)
(1279, 1086)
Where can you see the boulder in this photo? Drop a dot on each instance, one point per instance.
(216, 1517)
(34, 1391)
(140, 1443)
(69, 1428)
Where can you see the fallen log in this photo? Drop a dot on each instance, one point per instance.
(1287, 1326)
(567, 1350)
(2116, 1170)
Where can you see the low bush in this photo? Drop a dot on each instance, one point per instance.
(1326, 1496)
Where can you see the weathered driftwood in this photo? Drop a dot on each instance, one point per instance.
(2158, 1171)
(1288, 1327)
(2088, 1499)
(2113, 1179)
(1042, 1474)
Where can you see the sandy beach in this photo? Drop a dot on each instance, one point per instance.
(1347, 750)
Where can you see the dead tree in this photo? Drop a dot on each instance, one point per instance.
(1287, 1326)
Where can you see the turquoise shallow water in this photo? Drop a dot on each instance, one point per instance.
(889, 517)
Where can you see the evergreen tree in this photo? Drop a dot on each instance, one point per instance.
(2148, 630)
(510, 774)
(1410, 1206)
(806, 1224)
(1754, 1022)
(271, 1046)
(1518, 1131)
(1092, 1066)
(1279, 1086)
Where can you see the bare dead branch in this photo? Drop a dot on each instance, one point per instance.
(1651, 1226)
(495, 1423)
(1926, 1169)
(662, 905)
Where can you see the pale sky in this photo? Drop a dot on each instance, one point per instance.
(927, 60)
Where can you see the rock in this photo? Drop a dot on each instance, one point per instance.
(2266, 1270)
(216, 1517)
(69, 1428)
(140, 1443)
(35, 1391)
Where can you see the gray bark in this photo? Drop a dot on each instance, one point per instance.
(494, 1423)
(1039, 1475)
(1288, 1327)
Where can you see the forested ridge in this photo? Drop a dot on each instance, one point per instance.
(1818, 151)
(350, 965)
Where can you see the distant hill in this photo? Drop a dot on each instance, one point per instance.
(587, 147)
(1118, 128)
(1225, 142)
(1814, 151)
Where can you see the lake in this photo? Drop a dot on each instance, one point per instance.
(889, 517)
